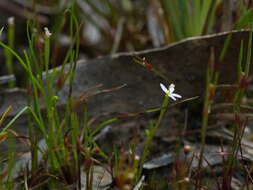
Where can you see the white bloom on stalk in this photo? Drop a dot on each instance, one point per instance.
(47, 32)
(169, 92)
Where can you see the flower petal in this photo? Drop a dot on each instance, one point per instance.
(163, 88)
(177, 95)
(171, 88)
(173, 98)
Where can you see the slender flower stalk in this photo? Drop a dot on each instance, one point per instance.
(211, 83)
(10, 40)
(169, 93)
(239, 125)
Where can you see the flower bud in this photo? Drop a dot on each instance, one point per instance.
(187, 149)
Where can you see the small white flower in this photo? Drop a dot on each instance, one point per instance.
(169, 92)
(11, 20)
(47, 32)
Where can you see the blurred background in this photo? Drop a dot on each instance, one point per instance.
(111, 26)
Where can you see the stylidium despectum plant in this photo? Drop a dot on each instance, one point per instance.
(169, 92)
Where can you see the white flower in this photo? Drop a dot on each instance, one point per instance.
(11, 20)
(47, 32)
(169, 92)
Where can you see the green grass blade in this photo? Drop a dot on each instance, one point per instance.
(249, 52)
(239, 65)
(15, 118)
(1, 30)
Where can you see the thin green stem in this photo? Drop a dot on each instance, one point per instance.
(10, 42)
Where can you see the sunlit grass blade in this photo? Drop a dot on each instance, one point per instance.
(15, 118)
(1, 31)
(5, 114)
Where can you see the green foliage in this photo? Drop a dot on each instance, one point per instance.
(190, 18)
